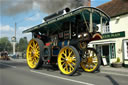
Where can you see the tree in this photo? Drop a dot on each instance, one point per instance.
(22, 46)
(5, 44)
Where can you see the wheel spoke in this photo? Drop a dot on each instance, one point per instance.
(37, 49)
(65, 52)
(62, 60)
(66, 67)
(71, 66)
(36, 59)
(32, 49)
(62, 57)
(70, 69)
(70, 54)
(73, 63)
(37, 54)
(73, 59)
(63, 64)
(34, 44)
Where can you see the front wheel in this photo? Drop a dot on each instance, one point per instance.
(34, 53)
(68, 60)
(90, 61)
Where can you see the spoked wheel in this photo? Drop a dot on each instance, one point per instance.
(68, 60)
(90, 61)
(34, 53)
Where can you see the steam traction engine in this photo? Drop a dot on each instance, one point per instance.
(62, 40)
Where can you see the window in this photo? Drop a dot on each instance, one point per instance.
(126, 49)
(106, 28)
(99, 49)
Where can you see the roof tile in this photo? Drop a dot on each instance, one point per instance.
(115, 7)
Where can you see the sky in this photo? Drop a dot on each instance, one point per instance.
(28, 13)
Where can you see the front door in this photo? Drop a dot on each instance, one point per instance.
(105, 52)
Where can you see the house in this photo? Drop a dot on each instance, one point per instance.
(115, 37)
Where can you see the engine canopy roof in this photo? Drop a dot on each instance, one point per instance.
(55, 24)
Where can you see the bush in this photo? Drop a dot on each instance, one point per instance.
(118, 60)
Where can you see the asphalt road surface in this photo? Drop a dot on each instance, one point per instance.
(18, 73)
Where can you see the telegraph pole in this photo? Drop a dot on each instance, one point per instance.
(14, 41)
(15, 29)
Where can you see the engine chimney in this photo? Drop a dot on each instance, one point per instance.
(61, 12)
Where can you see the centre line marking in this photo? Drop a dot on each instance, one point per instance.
(80, 82)
(8, 65)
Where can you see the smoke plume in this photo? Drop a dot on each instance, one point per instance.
(13, 7)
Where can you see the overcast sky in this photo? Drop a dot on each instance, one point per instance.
(28, 13)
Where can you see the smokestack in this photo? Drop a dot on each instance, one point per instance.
(61, 12)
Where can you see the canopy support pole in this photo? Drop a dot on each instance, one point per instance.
(70, 30)
(101, 23)
(91, 25)
(85, 21)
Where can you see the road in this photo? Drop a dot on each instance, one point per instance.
(18, 73)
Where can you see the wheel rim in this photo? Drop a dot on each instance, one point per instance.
(33, 53)
(67, 60)
(90, 62)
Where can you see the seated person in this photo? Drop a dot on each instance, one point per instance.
(43, 36)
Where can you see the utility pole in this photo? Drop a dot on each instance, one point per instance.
(14, 41)
(15, 29)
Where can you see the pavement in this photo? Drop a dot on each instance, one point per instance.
(18, 60)
(121, 70)
(16, 72)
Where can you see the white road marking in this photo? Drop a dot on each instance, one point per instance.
(118, 74)
(80, 82)
(8, 65)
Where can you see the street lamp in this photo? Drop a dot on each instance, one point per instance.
(13, 39)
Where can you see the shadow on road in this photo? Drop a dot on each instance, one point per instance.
(81, 70)
(51, 68)
(3, 67)
(112, 80)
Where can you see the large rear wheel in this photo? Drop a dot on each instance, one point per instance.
(34, 53)
(68, 60)
(90, 61)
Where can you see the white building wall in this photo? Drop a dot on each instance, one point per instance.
(119, 25)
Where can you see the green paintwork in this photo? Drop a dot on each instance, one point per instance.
(113, 35)
(112, 52)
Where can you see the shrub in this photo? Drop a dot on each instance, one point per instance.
(118, 60)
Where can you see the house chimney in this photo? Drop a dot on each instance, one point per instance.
(89, 2)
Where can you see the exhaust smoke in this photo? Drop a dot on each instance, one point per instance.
(13, 7)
